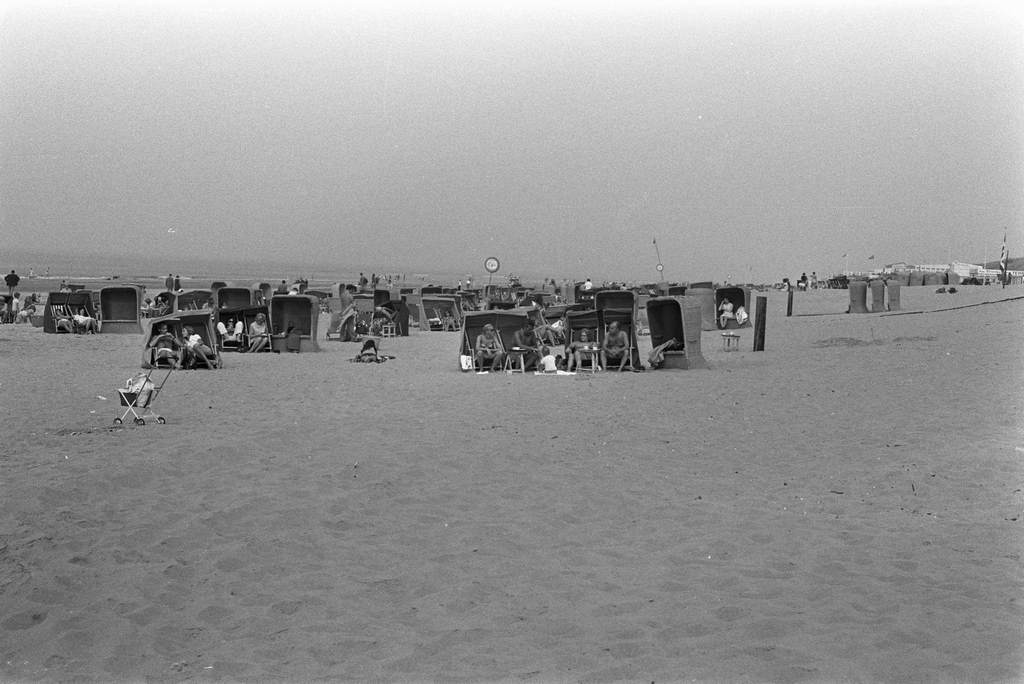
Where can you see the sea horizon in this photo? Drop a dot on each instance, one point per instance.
(57, 266)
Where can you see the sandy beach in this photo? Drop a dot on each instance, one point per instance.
(846, 506)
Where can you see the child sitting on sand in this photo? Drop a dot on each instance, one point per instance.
(548, 363)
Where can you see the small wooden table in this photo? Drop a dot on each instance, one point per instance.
(512, 356)
(592, 353)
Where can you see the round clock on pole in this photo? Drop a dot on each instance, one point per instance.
(491, 265)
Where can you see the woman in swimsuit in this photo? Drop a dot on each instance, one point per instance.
(488, 348)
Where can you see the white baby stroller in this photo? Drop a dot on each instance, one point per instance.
(138, 396)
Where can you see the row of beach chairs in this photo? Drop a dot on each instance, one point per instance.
(589, 357)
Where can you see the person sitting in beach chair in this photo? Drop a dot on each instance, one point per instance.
(488, 348)
(230, 334)
(575, 350)
(657, 356)
(551, 333)
(160, 306)
(725, 313)
(64, 323)
(164, 348)
(26, 313)
(615, 346)
(448, 322)
(197, 351)
(259, 334)
(383, 316)
(525, 342)
(343, 325)
(84, 323)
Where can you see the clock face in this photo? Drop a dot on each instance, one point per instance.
(492, 264)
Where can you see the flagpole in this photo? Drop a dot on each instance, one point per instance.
(1003, 259)
(660, 267)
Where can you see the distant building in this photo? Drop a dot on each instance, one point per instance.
(961, 268)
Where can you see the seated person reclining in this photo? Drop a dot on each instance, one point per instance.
(197, 351)
(552, 333)
(84, 323)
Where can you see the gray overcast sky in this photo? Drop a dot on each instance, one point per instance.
(753, 140)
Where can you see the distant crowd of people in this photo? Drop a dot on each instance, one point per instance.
(14, 308)
(804, 283)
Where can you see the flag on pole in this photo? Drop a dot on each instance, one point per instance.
(844, 256)
(871, 257)
(1003, 259)
(654, 241)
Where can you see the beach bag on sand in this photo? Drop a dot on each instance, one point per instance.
(466, 362)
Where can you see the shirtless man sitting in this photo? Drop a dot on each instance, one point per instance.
(526, 339)
(615, 346)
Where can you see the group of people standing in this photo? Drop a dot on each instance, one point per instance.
(10, 308)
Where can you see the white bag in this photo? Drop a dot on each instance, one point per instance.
(139, 383)
(466, 361)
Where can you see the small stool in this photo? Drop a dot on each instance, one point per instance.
(510, 361)
(387, 330)
(730, 341)
(594, 355)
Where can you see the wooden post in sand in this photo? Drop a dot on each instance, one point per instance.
(789, 303)
(894, 295)
(877, 295)
(760, 315)
(693, 316)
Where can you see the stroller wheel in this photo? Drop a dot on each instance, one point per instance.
(161, 420)
(118, 421)
(140, 421)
